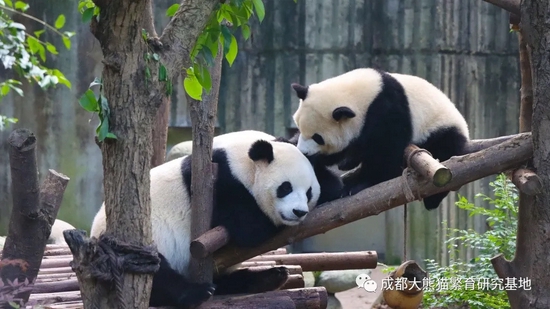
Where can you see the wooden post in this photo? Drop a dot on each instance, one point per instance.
(33, 214)
(325, 261)
(203, 116)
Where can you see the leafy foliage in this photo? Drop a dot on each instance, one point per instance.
(499, 238)
(218, 31)
(25, 53)
(98, 104)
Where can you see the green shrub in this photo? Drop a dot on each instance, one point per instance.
(479, 286)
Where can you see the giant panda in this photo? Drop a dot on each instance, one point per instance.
(367, 117)
(56, 235)
(263, 184)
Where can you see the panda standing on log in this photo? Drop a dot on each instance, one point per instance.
(368, 117)
(263, 184)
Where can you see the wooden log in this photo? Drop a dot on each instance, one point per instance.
(34, 211)
(55, 276)
(305, 298)
(58, 297)
(292, 269)
(294, 282)
(258, 263)
(55, 270)
(476, 145)
(326, 261)
(56, 286)
(53, 257)
(57, 251)
(209, 242)
(55, 246)
(426, 166)
(511, 6)
(65, 305)
(276, 252)
(527, 181)
(388, 195)
(252, 301)
(54, 263)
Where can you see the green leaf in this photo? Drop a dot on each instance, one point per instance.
(144, 34)
(111, 135)
(226, 35)
(62, 79)
(5, 89)
(67, 42)
(88, 101)
(38, 33)
(147, 73)
(162, 73)
(9, 3)
(34, 44)
(232, 52)
(22, 6)
(51, 48)
(156, 56)
(87, 15)
(245, 29)
(259, 8)
(172, 10)
(103, 129)
(60, 21)
(206, 80)
(192, 86)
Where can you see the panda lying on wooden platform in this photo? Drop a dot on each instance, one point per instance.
(263, 184)
(368, 117)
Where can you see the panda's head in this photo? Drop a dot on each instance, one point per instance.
(331, 113)
(283, 182)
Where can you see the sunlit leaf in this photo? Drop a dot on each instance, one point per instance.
(67, 42)
(172, 10)
(260, 9)
(232, 52)
(60, 21)
(192, 86)
(22, 6)
(89, 102)
(51, 48)
(87, 15)
(245, 29)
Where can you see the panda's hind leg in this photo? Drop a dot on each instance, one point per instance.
(251, 281)
(173, 289)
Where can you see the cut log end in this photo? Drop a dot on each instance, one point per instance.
(442, 177)
(22, 140)
(209, 242)
(527, 181)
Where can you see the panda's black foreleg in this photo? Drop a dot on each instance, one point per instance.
(250, 281)
(172, 289)
(433, 201)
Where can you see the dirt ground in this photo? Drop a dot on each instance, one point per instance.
(359, 298)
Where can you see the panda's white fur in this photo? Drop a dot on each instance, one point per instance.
(56, 235)
(367, 117)
(430, 109)
(170, 201)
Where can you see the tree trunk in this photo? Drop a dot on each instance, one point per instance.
(134, 95)
(160, 133)
(533, 253)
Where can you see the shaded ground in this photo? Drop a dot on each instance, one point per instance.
(358, 298)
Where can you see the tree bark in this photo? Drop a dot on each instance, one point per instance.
(533, 248)
(388, 195)
(134, 98)
(160, 133)
(33, 214)
(203, 171)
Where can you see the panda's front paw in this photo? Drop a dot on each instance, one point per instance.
(196, 295)
(269, 280)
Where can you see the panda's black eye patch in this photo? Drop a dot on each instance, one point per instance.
(284, 189)
(308, 194)
(318, 139)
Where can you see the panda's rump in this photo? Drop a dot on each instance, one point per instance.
(171, 213)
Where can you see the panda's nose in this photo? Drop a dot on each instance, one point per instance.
(299, 213)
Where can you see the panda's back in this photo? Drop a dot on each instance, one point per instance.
(171, 213)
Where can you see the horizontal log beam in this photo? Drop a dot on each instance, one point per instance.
(325, 261)
(512, 6)
(387, 195)
(305, 298)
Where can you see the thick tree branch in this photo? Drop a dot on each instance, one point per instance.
(388, 195)
(511, 6)
(181, 33)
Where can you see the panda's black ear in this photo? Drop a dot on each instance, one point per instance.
(342, 112)
(261, 150)
(301, 91)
